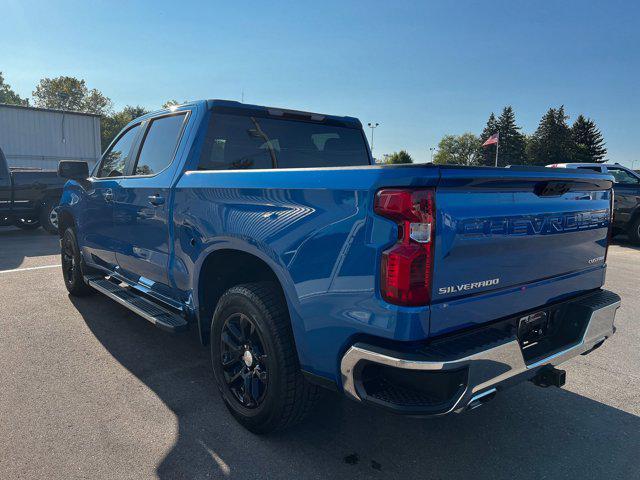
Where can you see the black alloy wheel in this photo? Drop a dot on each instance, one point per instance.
(72, 265)
(254, 359)
(244, 360)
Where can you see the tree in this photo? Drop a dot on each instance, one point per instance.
(458, 150)
(9, 96)
(588, 144)
(70, 93)
(551, 142)
(399, 157)
(512, 143)
(171, 103)
(487, 155)
(112, 124)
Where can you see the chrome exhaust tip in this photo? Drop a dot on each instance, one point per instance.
(481, 398)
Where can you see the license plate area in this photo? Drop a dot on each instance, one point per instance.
(545, 332)
(533, 327)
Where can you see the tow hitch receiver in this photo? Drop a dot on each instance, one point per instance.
(550, 377)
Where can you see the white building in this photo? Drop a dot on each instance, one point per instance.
(37, 137)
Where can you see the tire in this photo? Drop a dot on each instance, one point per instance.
(49, 216)
(72, 265)
(634, 231)
(28, 223)
(276, 395)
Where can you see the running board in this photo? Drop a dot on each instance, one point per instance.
(127, 297)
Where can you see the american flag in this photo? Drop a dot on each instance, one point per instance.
(492, 139)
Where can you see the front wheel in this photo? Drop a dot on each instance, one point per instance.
(72, 265)
(49, 216)
(255, 363)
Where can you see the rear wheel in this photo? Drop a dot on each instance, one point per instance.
(49, 216)
(72, 265)
(27, 223)
(254, 359)
(634, 231)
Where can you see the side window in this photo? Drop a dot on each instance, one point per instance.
(159, 146)
(597, 169)
(622, 176)
(115, 160)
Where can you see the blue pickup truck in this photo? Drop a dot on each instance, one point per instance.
(420, 289)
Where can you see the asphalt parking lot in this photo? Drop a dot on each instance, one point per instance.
(89, 390)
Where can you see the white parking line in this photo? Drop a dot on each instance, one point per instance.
(28, 268)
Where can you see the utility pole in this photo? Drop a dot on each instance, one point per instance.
(372, 126)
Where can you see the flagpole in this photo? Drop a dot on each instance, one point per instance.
(497, 146)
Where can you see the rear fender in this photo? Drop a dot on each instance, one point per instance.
(266, 255)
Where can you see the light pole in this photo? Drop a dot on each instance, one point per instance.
(432, 149)
(372, 126)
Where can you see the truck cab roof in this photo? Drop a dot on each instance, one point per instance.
(231, 107)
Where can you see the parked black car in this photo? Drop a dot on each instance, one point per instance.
(29, 196)
(626, 189)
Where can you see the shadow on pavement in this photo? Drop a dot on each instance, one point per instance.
(16, 245)
(526, 432)
(623, 241)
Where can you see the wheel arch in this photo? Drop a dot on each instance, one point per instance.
(65, 220)
(224, 267)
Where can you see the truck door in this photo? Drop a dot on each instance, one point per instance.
(141, 209)
(99, 239)
(627, 195)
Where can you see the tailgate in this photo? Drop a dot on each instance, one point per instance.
(502, 231)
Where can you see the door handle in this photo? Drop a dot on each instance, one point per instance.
(108, 195)
(156, 200)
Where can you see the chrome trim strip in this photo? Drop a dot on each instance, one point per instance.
(487, 368)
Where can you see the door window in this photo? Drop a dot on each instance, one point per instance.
(622, 176)
(114, 161)
(159, 146)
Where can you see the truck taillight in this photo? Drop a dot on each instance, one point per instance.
(407, 266)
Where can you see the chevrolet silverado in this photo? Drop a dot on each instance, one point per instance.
(420, 289)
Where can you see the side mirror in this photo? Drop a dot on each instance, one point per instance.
(73, 169)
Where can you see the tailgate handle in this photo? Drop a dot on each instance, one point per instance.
(551, 189)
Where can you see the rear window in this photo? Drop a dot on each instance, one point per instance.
(245, 142)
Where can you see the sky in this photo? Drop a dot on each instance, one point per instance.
(419, 69)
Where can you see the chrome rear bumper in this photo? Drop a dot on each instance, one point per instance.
(487, 370)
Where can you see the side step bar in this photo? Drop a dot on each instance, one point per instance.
(127, 297)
